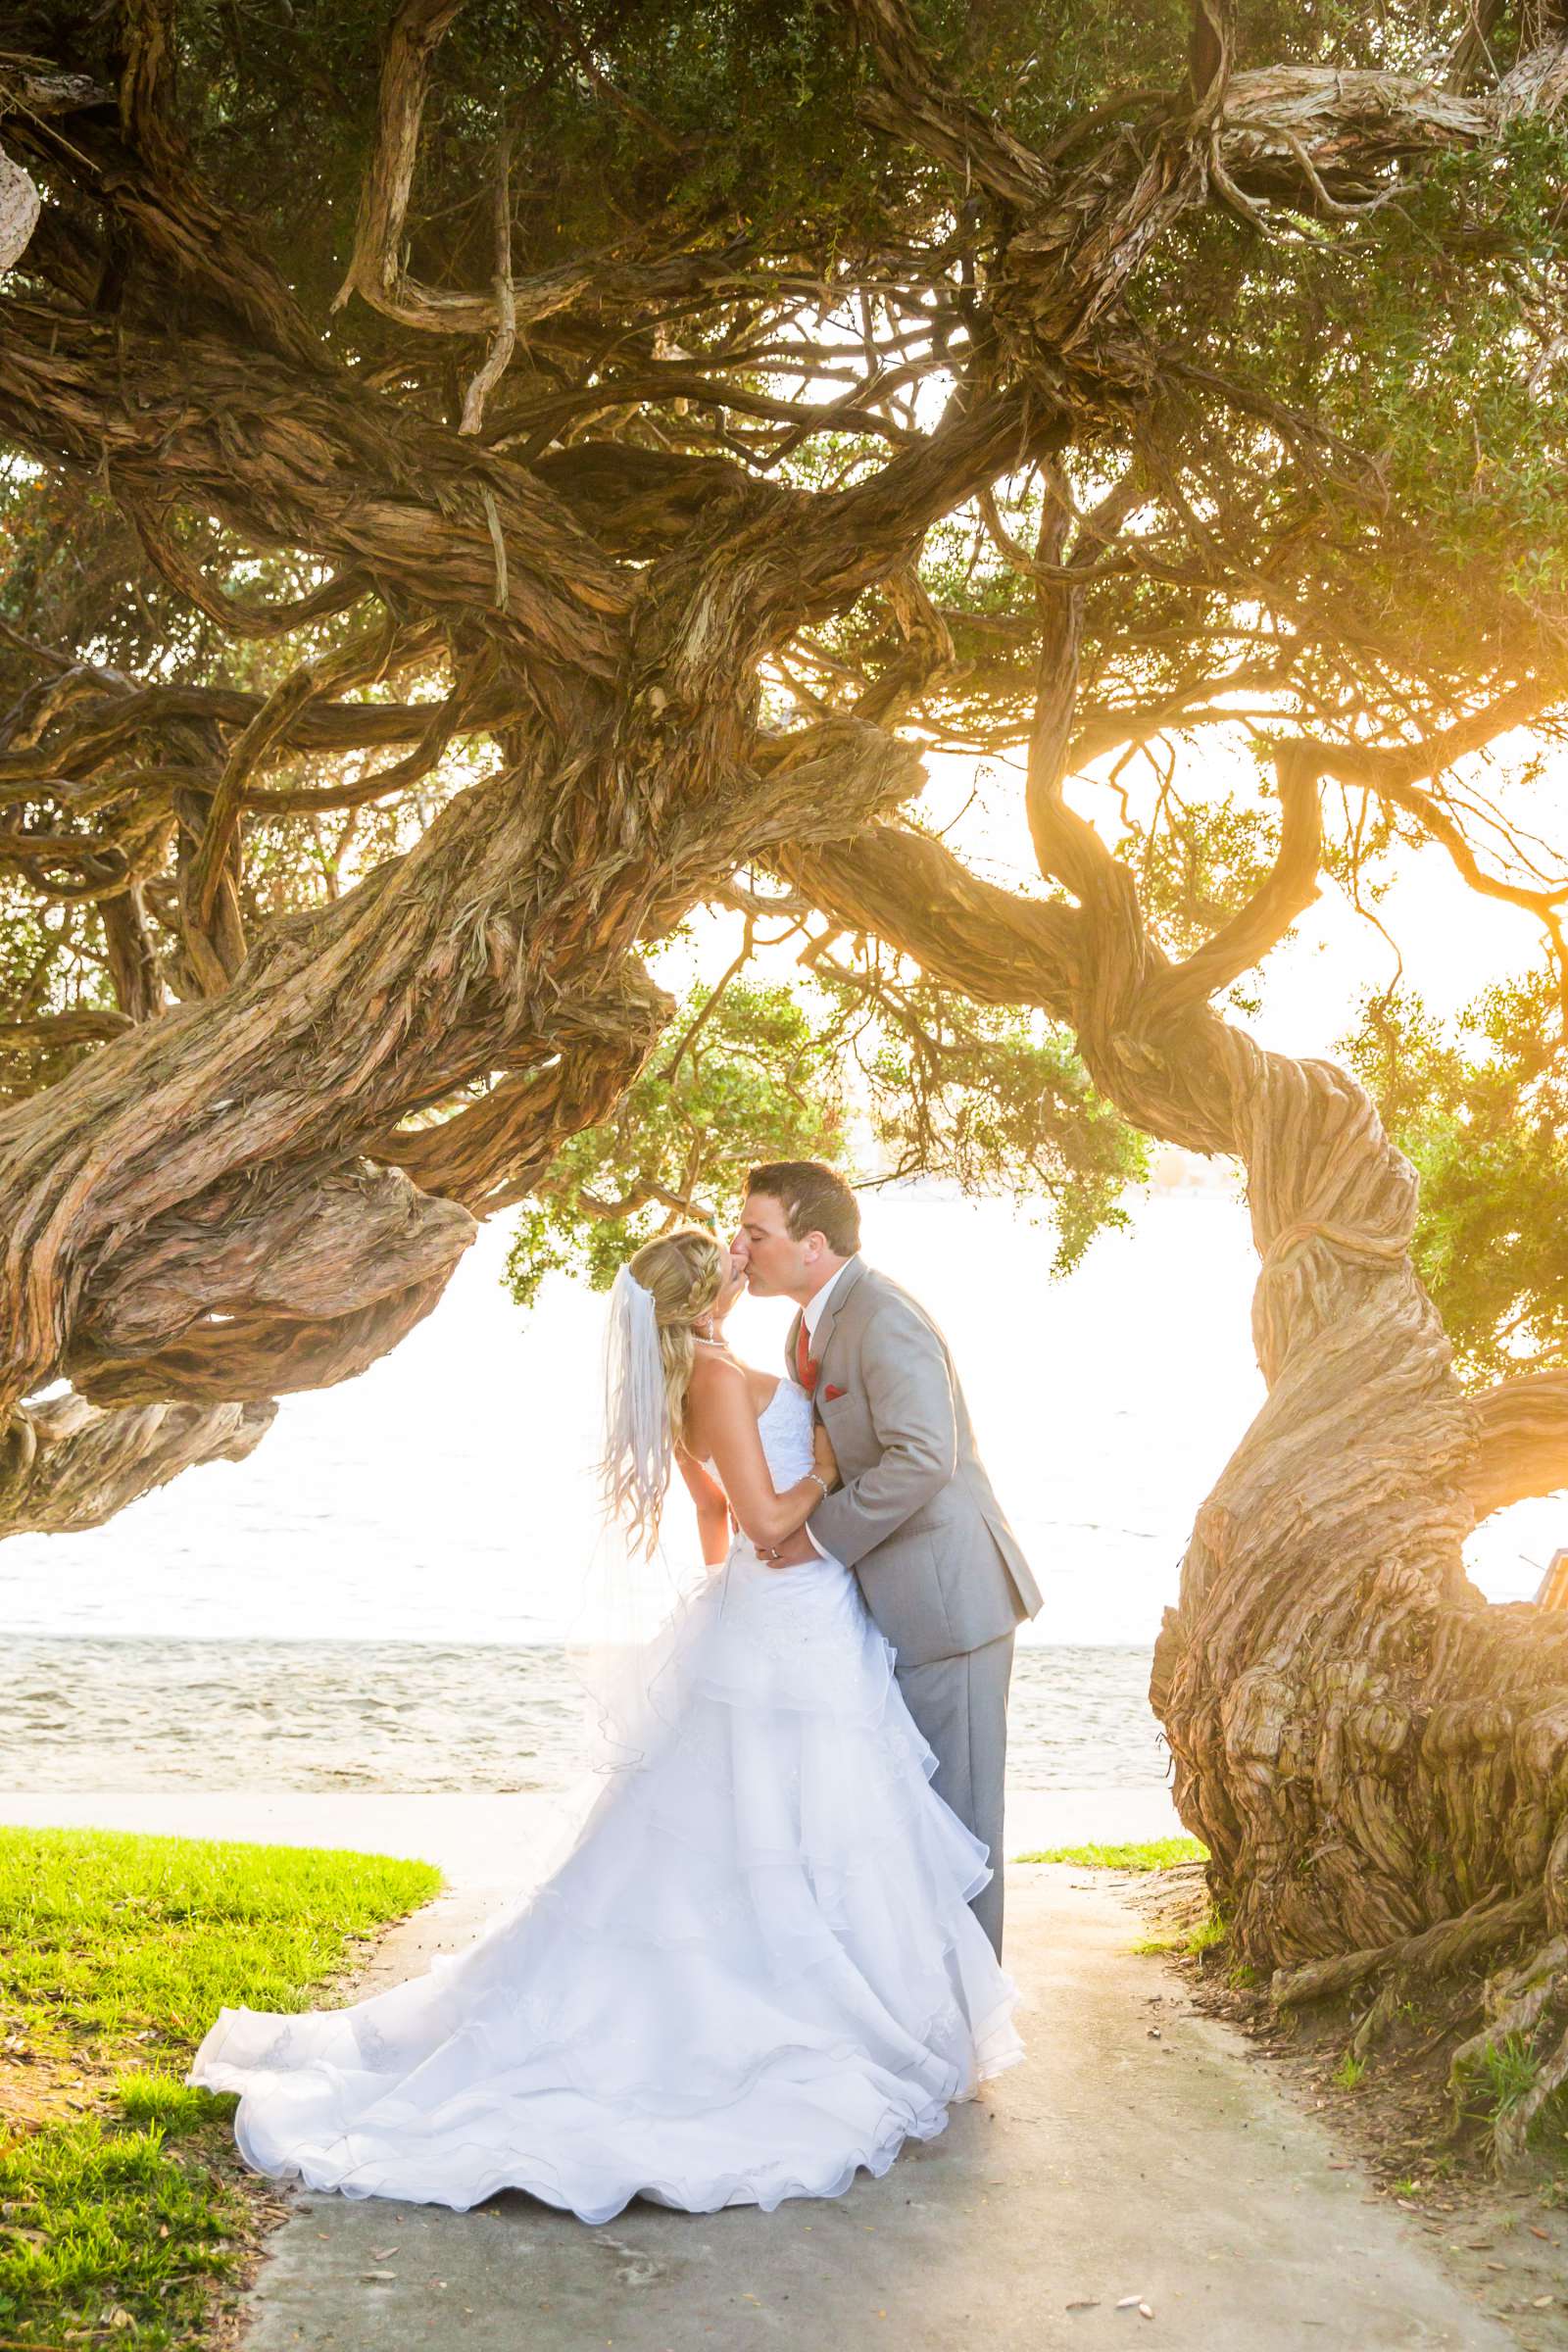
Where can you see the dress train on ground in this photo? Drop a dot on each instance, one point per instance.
(755, 1972)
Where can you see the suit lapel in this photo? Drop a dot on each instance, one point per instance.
(854, 1268)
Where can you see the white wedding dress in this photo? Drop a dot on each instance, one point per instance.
(755, 1972)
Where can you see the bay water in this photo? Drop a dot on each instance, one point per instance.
(379, 1597)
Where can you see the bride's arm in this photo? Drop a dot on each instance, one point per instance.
(720, 1424)
(713, 1511)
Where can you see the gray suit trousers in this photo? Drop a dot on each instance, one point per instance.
(960, 1706)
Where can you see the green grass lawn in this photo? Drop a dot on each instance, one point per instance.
(1153, 1853)
(124, 2212)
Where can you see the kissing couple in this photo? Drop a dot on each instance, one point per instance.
(772, 1951)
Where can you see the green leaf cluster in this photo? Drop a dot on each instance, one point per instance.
(857, 1068)
(757, 1081)
(1483, 1116)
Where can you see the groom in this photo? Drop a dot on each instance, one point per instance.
(915, 1517)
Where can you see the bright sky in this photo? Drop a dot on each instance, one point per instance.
(1454, 941)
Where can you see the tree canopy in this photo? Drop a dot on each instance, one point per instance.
(1134, 404)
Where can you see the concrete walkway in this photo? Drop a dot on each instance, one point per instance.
(1109, 2164)
(1138, 2152)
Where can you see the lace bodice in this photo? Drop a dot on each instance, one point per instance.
(784, 1426)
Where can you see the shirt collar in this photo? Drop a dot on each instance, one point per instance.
(814, 1309)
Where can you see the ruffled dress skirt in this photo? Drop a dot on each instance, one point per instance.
(755, 1972)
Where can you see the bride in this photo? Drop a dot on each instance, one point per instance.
(756, 1969)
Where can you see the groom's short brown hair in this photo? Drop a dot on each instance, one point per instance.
(816, 1199)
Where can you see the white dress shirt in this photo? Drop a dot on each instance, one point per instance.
(812, 1314)
(814, 1309)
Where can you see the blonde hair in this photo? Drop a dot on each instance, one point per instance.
(683, 1273)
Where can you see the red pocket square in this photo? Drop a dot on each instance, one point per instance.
(830, 1392)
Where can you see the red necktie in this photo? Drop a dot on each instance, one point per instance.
(805, 1360)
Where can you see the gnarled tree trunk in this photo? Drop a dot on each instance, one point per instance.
(1376, 1758)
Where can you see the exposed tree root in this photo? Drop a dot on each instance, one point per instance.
(1450, 1944)
(1519, 2059)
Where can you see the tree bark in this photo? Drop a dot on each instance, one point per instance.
(66, 1465)
(194, 1213)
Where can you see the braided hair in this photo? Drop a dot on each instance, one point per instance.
(683, 1272)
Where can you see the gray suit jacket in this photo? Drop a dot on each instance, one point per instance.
(915, 1518)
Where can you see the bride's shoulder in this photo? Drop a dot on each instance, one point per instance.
(716, 1395)
(713, 1369)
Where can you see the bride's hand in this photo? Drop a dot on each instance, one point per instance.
(824, 1461)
